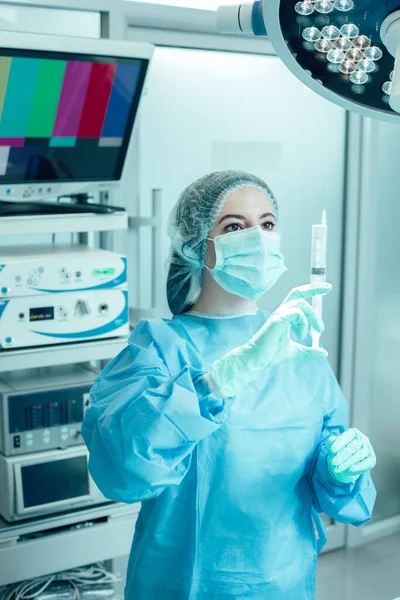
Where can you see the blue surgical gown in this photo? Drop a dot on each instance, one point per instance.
(231, 490)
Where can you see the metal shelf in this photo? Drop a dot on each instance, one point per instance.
(49, 356)
(69, 223)
(66, 541)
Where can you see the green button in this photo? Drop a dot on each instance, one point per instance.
(103, 272)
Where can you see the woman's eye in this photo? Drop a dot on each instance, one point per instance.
(232, 227)
(268, 226)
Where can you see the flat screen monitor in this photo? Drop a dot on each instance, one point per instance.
(67, 110)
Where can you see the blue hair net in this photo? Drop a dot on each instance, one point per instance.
(189, 224)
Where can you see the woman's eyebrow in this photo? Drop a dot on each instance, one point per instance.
(240, 217)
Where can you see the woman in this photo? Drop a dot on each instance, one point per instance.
(232, 432)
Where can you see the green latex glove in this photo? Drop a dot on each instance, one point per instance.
(350, 455)
(307, 291)
(272, 344)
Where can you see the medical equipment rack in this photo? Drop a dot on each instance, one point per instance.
(59, 542)
(69, 223)
(64, 541)
(83, 225)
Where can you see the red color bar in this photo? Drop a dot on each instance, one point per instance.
(12, 142)
(96, 101)
(72, 99)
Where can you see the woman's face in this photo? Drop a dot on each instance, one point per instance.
(245, 208)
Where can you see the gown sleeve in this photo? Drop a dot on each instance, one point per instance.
(148, 409)
(346, 503)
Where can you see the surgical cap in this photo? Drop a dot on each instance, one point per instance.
(189, 224)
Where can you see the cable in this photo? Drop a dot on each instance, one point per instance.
(83, 576)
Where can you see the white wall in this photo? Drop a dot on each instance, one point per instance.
(204, 4)
(50, 21)
(377, 380)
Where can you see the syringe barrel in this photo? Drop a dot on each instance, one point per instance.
(318, 268)
(319, 250)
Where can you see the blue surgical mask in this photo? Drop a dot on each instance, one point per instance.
(248, 262)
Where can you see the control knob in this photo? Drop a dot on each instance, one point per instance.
(82, 308)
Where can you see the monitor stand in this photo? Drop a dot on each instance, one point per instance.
(21, 209)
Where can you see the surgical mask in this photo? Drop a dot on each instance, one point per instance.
(248, 262)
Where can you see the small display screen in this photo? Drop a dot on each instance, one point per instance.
(41, 314)
(39, 410)
(64, 116)
(103, 272)
(54, 481)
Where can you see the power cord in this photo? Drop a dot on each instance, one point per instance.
(84, 576)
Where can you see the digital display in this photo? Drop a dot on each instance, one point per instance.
(54, 481)
(66, 117)
(39, 410)
(41, 314)
(103, 272)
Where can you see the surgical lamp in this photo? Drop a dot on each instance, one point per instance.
(348, 51)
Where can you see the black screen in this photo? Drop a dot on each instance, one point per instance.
(54, 481)
(66, 117)
(41, 314)
(38, 410)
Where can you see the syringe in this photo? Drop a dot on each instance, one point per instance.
(318, 267)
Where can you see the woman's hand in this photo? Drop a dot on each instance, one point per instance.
(308, 291)
(272, 344)
(350, 455)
